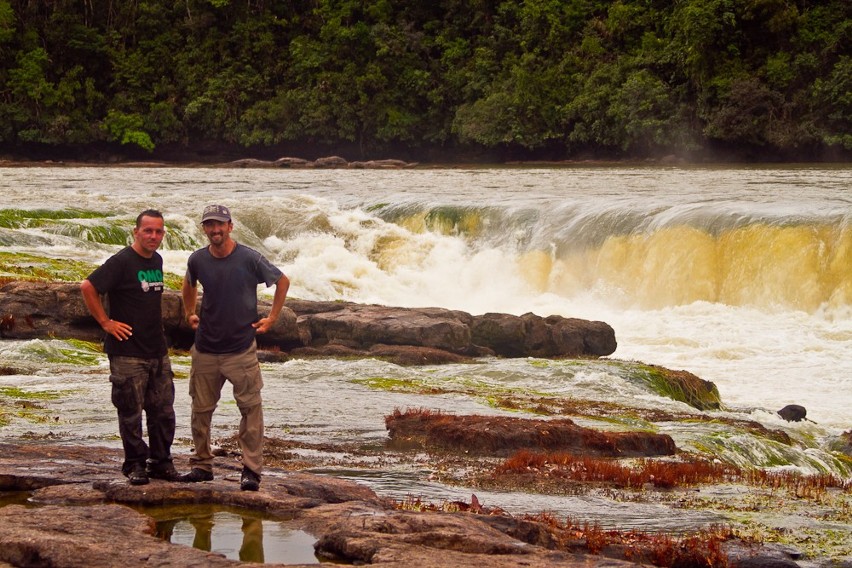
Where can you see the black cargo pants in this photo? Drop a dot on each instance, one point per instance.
(144, 385)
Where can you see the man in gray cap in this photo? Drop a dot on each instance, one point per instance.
(225, 348)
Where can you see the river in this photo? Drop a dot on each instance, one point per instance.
(741, 275)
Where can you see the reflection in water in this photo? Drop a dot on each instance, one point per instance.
(236, 534)
(252, 547)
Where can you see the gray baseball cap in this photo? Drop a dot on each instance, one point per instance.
(216, 213)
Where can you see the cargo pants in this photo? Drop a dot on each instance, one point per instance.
(144, 385)
(206, 378)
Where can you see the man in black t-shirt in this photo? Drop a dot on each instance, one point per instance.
(140, 369)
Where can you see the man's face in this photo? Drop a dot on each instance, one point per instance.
(149, 234)
(217, 231)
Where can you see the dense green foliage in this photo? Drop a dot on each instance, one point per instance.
(554, 78)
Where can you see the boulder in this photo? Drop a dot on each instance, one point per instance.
(793, 413)
(288, 162)
(370, 325)
(534, 336)
(33, 310)
(331, 162)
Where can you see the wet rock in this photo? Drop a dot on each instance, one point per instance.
(272, 356)
(409, 355)
(741, 555)
(96, 535)
(382, 164)
(331, 162)
(82, 521)
(683, 386)
(249, 163)
(338, 350)
(288, 162)
(793, 413)
(79, 515)
(370, 325)
(403, 355)
(506, 435)
(437, 540)
(843, 443)
(532, 335)
(31, 310)
(503, 333)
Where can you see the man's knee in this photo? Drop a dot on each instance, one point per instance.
(250, 407)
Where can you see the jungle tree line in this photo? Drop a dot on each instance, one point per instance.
(543, 77)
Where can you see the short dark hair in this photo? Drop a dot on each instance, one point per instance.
(147, 213)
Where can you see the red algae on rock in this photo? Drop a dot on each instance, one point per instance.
(501, 436)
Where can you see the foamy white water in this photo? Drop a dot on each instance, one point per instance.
(742, 276)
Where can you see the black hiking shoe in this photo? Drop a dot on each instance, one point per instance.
(249, 480)
(165, 471)
(195, 475)
(137, 475)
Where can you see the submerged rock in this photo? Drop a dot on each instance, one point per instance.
(843, 443)
(681, 385)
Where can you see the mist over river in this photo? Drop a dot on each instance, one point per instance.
(740, 275)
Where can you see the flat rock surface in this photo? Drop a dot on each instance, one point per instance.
(79, 514)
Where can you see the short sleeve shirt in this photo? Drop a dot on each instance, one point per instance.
(133, 285)
(229, 300)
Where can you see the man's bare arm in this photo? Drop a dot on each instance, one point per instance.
(117, 329)
(281, 288)
(189, 293)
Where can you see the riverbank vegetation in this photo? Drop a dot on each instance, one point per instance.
(503, 80)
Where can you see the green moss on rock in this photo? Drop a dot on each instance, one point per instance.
(18, 218)
(21, 266)
(682, 386)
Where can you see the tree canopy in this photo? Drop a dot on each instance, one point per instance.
(524, 78)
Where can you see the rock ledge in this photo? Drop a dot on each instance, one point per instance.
(31, 310)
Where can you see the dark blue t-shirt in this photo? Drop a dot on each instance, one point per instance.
(229, 299)
(134, 288)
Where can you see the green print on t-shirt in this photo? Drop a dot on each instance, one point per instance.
(151, 280)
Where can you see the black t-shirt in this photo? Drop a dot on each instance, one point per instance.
(134, 288)
(229, 302)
